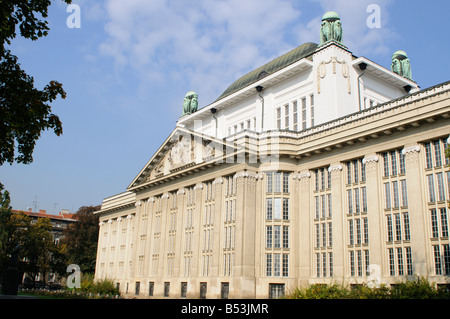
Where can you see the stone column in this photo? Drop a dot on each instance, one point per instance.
(244, 262)
(197, 247)
(217, 235)
(375, 217)
(165, 212)
(303, 235)
(179, 251)
(416, 205)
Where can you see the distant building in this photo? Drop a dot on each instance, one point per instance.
(316, 168)
(59, 222)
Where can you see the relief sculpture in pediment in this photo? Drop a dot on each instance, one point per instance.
(182, 153)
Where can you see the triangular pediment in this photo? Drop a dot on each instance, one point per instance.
(182, 150)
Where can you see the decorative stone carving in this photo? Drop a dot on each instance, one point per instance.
(322, 72)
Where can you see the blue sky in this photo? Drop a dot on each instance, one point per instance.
(128, 67)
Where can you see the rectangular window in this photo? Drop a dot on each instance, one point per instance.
(350, 201)
(269, 182)
(402, 163)
(166, 289)
(285, 236)
(358, 231)
(446, 259)
(356, 171)
(437, 260)
(304, 113)
(276, 265)
(316, 206)
(428, 155)
(285, 183)
(330, 203)
(285, 209)
(277, 237)
(434, 224)
(352, 263)
(400, 261)
(277, 183)
(285, 268)
(389, 228)
(269, 236)
(311, 99)
(286, 117)
(404, 193)
(366, 230)
(391, 262)
(330, 234)
(395, 193)
(398, 228)
(317, 235)
(386, 164)
(324, 206)
(295, 115)
(350, 231)
(364, 198)
(357, 202)
(278, 118)
(349, 173)
(444, 222)
(441, 187)
(269, 208)
(409, 267)
(437, 153)
(277, 208)
(431, 193)
(268, 265)
(406, 226)
(393, 163)
(367, 261)
(387, 194)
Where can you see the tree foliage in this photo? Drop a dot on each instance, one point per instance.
(80, 239)
(25, 111)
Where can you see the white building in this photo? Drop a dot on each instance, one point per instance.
(317, 167)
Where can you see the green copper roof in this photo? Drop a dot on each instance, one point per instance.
(330, 15)
(289, 58)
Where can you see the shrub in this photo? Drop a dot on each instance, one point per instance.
(417, 289)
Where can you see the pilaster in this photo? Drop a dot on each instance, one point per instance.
(417, 209)
(375, 214)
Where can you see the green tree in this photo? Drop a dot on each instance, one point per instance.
(37, 248)
(5, 215)
(80, 239)
(24, 110)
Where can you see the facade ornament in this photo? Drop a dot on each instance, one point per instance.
(401, 65)
(322, 72)
(190, 104)
(370, 159)
(411, 150)
(138, 203)
(198, 186)
(218, 181)
(165, 195)
(245, 174)
(304, 176)
(331, 29)
(181, 191)
(336, 168)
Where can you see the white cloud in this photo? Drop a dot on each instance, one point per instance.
(209, 44)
